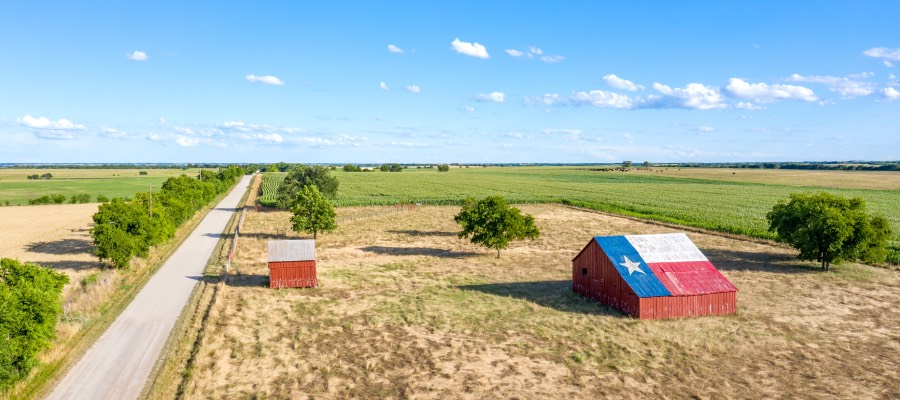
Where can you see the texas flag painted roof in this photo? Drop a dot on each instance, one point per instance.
(663, 265)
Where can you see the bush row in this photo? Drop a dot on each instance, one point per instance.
(124, 228)
(61, 199)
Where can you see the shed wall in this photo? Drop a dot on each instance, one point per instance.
(292, 274)
(687, 306)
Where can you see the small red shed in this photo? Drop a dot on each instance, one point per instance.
(652, 277)
(292, 263)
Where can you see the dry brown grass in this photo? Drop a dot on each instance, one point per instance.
(405, 309)
(883, 180)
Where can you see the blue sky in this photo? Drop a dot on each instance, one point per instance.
(372, 82)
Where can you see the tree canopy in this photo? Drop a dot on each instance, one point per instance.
(443, 168)
(313, 213)
(304, 175)
(493, 223)
(30, 302)
(829, 229)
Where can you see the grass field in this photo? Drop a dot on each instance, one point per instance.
(723, 204)
(407, 310)
(16, 189)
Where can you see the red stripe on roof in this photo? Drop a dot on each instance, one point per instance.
(688, 278)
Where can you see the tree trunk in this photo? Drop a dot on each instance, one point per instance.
(498, 253)
(314, 235)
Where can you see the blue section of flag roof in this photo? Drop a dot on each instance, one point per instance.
(641, 278)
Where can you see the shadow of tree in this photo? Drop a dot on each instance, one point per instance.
(423, 233)
(63, 246)
(74, 265)
(735, 260)
(247, 280)
(418, 251)
(270, 236)
(557, 295)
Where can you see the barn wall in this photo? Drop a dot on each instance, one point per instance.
(602, 281)
(292, 274)
(688, 306)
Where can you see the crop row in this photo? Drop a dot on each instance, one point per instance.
(724, 206)
(269, 188)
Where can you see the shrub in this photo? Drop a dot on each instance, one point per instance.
(30, 303)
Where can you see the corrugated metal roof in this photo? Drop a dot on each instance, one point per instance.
(292, 250)
(663, 265)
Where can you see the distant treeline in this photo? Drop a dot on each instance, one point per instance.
(252, 167)
(825, 165)
(125, 228)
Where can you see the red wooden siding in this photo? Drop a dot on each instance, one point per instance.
(594, 276)
(292, 274)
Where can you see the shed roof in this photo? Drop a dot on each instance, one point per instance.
(663, 265)
(292, 250)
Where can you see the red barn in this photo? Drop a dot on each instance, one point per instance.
(292, 263)
(652, 277)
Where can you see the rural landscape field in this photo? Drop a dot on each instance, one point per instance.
(435, 200)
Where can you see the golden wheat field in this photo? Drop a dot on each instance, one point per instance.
(406, 310)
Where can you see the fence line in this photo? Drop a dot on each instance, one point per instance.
(237, 232)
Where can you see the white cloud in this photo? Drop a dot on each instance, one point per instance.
(693, 96)
(845, 86)
(746, 105)
(572, 134)
(514, 52)
(552, 59)
(514, 135)
(185, 141)
(234, 124)
(496, 97)
(892, 77)
(888, 56)
(763, 93)
(61, 124)
(154, 137)
(547, 99)
(137, 56)
(619, 83)
(267, 79)
(394, 49)
(601, 98)
(469, 109)
(705, 129)
(469, 49)
(890, 93)
(383, 86)
(413, 89)
(533, 52)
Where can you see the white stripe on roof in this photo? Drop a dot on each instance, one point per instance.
(666, 247)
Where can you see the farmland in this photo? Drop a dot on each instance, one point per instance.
(729, 206)
(16, 189)
(269, 188)
(405, 309)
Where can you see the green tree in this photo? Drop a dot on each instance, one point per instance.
(313, 213)
(443, 168)
(493, 223)
(30, 303)
(829, 229)
(304, 175)
(647, 164)
(626, 164)
(384, 168)
(351, 168)
(396, 168)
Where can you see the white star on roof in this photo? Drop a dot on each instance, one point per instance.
(632, 266)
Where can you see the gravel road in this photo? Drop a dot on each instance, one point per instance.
(118, 364)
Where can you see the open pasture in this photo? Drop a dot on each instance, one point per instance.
(717, 204)
(17, 189)
(405, 309)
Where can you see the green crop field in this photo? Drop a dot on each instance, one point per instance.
(729, 206)
(269, 188)
(17, 189)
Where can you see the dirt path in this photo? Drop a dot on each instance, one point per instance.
(117, 366)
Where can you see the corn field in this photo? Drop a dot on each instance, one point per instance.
(269, 188)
